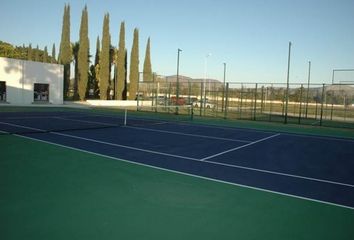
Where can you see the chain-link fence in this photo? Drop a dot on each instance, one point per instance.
(314, 104)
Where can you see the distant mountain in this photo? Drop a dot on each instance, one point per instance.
(184, 79)
(347, 89)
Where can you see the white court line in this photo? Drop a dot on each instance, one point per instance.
(324, 137)
(188, 134)
(281, 174)
(107, 143)
(20, 126)
(124, 146)
(319, 137)
(85, 121)
(239, 147)
(189, 174)
(107, 116)
(38, 117)
(162, 131)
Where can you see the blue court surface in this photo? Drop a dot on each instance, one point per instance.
(316, 168)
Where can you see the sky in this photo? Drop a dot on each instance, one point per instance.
(250, 36)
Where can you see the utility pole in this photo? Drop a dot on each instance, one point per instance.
(177, 90)
(287, 87)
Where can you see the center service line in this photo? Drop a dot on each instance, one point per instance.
(237, 148)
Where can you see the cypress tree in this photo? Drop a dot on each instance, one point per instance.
(134, 66)
(65, 52)
(75, 54)
(23, 52)
(83, 61)
(121, 71)
(30, 53)
(98, 47)
(124, 97)
(45, 55)
(52, 60)
(147, 64)
(104, 59)
(97, 68)
(36, 54)
(112, 60)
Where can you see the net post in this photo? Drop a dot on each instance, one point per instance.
(125, 117)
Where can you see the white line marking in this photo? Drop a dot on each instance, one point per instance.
(124, 146)
(319, 137)
(38, 117)
(107, 143)
(20, 126)
(239, 147)
(191, 175)
(105, 116)
(309, 135)
(189, 134)
(281, 174)
(86, 121)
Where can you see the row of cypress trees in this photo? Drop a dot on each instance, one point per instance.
(97, 76)
(27, 53)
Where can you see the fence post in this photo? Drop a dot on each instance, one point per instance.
(262, 100)
(332, 105)
(283, 106)
(169, 97)
(241, 93)
(223, 98)
(271, 103)
(316, 110)
(322, 101)
(300, 108)
(226, 100)
(189, 95)
(138, 97)
(201, 98)
(255, 102)
(156, 95)
(286, 105)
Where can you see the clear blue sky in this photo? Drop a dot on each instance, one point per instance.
(250, 36)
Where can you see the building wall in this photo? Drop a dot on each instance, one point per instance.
(20, 77)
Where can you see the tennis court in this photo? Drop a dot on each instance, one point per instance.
(266, 179)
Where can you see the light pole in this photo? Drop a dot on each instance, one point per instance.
(287, 87)
(177, 90)
(205, 77)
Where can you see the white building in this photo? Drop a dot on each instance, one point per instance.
(26, 82)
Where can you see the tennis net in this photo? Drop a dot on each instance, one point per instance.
(46, 122)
